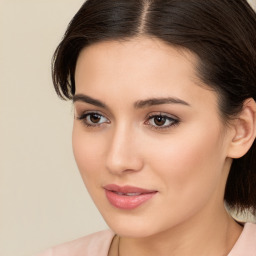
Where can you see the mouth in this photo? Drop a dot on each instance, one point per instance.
(127, 197)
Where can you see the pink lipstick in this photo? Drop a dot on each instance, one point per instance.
(127, 197)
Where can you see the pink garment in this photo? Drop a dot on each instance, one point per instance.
(246, 243)
(98, 244)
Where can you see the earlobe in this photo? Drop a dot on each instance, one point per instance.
(245, 130)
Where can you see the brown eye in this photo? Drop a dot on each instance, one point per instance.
(94, 118)
(162, 121)
(159, 120)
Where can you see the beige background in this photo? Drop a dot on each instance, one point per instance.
(42, 198)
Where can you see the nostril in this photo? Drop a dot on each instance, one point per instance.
(123, 165)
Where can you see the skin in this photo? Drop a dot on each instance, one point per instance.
(187, 160)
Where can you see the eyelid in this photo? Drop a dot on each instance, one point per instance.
(80, 114)
(154, 114)
(175, 119)
(82, 107)
(86, 112)
(82, 117)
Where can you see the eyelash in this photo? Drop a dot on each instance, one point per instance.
(174, 121)
(87, 114)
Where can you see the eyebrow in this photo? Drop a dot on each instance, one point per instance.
(159, 101)
(138, 104)
(88, 99)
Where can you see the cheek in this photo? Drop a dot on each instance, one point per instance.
(189, 166)
(88, 154)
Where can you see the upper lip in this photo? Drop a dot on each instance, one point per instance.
(127, 189)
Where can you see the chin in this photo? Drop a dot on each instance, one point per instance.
(133, 231)
(132, 225)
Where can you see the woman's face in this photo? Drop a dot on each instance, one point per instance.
(148, 138)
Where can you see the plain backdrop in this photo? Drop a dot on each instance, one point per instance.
(43, 201)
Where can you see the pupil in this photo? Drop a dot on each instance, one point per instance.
(95, 118)
(160, 120)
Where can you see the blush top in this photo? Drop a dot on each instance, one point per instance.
(98, 244)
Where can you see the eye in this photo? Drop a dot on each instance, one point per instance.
(161, 121)
(93, 119)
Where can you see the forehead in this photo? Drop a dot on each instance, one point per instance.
(137, 51)
(136, 69)
(139, 55)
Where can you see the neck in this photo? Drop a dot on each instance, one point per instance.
(201, 236)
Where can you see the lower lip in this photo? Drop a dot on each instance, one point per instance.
(128, 202)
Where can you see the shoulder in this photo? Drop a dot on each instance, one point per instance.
(246, 243)
(95, 244)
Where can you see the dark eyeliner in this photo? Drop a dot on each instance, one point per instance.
(85, 114)
(174, 121)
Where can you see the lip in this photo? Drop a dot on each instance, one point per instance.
(127, 197)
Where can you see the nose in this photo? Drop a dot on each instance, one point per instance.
(123, 154)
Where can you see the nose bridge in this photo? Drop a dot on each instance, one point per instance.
(122, 153)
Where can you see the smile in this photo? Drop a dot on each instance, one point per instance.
(127, 197)
(128, 194)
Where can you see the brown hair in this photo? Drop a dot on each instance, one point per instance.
(222, 33)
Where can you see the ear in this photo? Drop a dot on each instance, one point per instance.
(244, 130)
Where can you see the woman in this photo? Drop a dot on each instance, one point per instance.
(164, 124)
